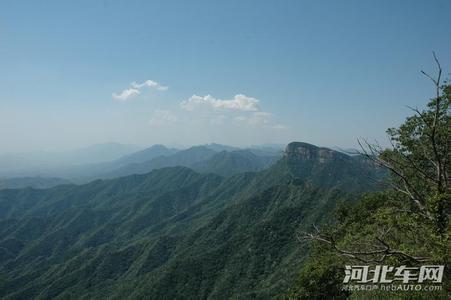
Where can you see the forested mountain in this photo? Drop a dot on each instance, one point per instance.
(210, 158)
(182, 158)
(328, 168)
(204, 160)
(173, 232)
(229, 163)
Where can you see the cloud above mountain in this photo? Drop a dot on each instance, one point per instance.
(241, 110)
(206, 115)
(239, 102)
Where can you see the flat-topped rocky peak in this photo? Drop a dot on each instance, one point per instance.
(305, 151)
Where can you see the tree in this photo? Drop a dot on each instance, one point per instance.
(419, 158)
(408, 223)
(405, 224)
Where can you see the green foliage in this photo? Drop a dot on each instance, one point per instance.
(320, 278)
(171, 233)
(405, 225)
(230, 163)
(420, 163)
(356, 231)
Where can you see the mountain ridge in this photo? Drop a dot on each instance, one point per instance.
(172, 232)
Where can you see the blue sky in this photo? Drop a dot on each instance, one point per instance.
(234, 72)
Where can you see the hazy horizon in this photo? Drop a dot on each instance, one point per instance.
(235, 73)
(177, 146)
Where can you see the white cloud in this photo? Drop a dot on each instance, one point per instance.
(135, 88)
(126, 94)
(151, 84)
(240, 102)
(162, 117)
(241, 110)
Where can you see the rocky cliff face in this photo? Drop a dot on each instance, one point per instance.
(305, 151)
(329, 168)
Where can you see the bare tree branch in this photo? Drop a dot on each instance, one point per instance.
(373, 152)
(438, 158)
(381, 252)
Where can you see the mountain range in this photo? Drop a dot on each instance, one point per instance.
(176, 232)
(204, 158)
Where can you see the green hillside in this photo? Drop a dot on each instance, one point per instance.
(169, 233)
(203, 159)
(230, 163)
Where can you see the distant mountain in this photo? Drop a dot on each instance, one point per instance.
(185, 158)
(174, 233)
(329, 168)
(97, 153)
(47, 163)
(230, 163)
(204, 160)
(220, 148)
(145, 155)
(33, 182)
(143, 161)
(87, 172)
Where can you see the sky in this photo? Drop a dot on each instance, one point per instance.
(75, 73)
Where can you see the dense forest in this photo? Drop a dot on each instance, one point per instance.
(174, 232)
